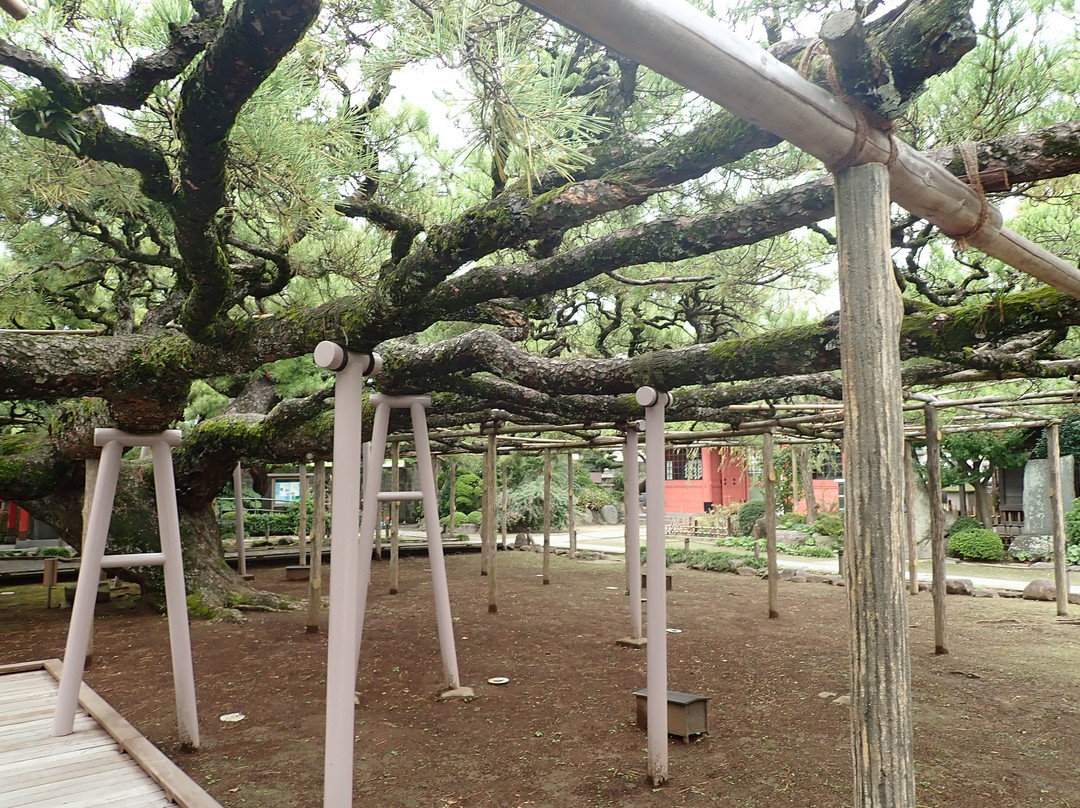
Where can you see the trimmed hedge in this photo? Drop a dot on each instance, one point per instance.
(748, 515)
(977, 545)
(964, 523)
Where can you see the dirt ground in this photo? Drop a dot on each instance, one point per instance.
(997, 721)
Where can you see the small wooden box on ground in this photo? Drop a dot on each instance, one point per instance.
(687, 714)
(667, 583)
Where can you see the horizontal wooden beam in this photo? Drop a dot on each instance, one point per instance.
(686, 45)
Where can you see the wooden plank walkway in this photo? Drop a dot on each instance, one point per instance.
(104, 762)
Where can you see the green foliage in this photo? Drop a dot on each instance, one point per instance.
(972, 457)
(788, 520)
(963, 523)
(469, 492)
(525, 509)
(829, 524)
(1068, 438)
(594, 498)
(749, 514)
(977, 545)
(1072, 524)
(56, 552)
(474, 517)
(805, 550)
(711, 560)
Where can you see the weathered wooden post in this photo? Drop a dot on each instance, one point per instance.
(547, 516)
(632, 534)
(808, 486)
(395, 516)
(491, 515)
(870, 315)
(238, 508)
(1057, 517)
(794, 480)
(909, 519)
(937, 527)
(570, 502)
(302, 533)
(505, 496)
(453, 498)
(770, 525)
(318, 534)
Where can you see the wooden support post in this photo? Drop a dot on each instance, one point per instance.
(547, 516)
(1057, 517)
(302, 533)
(491, 515)
(241, 533)
(937, 527)
(770, 525)
(451, 523)
(909, 519)
(794, 479)
(395, 516)
(808, 486)
(870, 316)
(318, 534)
(505, 496)
(570, 502)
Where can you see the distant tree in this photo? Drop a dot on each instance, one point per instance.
(973, 457)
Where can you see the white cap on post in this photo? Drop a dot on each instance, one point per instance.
(335, 357)
(16, 8)
(649, 396)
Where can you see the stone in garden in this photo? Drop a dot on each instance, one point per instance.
(1074, 597)
(815, 579)
(786, 574)
(609, 515)
(758, 531)
(792, 538)
(1040, 589)
(835, 580)
(845, 700)
(1033, 547)
(1010, 593)
(522, 541)
(799, 579)
(826, 694)
(958, 586)
(985, 593)
(1043, 565)
(745, 571)
(924, 586)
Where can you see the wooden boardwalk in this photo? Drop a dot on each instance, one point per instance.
(104, 762)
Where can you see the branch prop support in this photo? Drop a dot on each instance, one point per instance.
(655, 401)
(352, 528)
(16, 8)
(94, 559)
(695, 50)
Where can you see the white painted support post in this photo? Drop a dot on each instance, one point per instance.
(505, 497)
(451, 522)
(909, 520)
(547, 517)
(770, 525)
(937, 528)
(870, 317)
(655, 402)
(175, 592)
(370, 509)
(631, 496)
(1057, 519)
(341, 651)
(238, 506)
(440, 589)
(93, 559)
(16, 8)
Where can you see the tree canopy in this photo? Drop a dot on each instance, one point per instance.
(513, 215)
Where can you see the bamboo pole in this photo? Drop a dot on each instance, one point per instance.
(453, 498)
(395, 516)
(909, 519)
(632, 534)
(870, 316)
(490, 517)
(808, 486)
(302, 529)
(697, 51)
(547, 516)
(1057, 517)
(770, 525)
(570, 503)
(318, 534)
(937, 528)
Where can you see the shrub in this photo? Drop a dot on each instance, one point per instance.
(594, 498)
(829, 524)
(57, 552)
(790, 519)
(525, 510)
(978, 545)
(964, 523)
(476, 517)
(1072, 524)
(748, 515)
